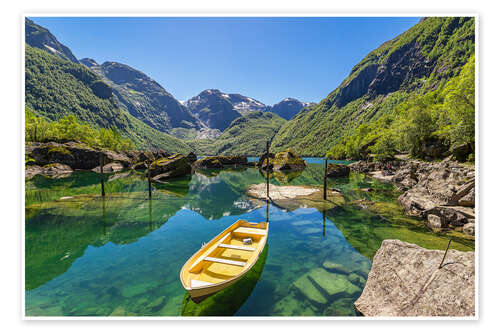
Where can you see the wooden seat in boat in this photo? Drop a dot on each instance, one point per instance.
(236, 247)
(253, 231)
(198, 283)
(224, 261)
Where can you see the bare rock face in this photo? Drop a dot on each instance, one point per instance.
(405, 280)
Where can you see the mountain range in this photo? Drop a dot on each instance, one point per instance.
(418, 61)
(206, 115)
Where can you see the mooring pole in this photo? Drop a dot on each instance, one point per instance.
(267, 211)
(150, 214)
(267, 168)
(34, 139)
(104, 215)
(149, 179)
(324, 179)
(323, 223)
(101, 162)
(445, 252)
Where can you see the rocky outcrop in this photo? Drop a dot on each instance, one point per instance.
(405, 280)
(218, 162)
(337, 171)
(170, 167)
(54, 170)
(109, 168)
(74, 154)
(283, 161)
(442, 193)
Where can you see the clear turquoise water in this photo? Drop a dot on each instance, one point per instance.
(86, 256)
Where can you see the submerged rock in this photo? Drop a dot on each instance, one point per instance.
(405, 280)
(332, 284)
(335, 267)
(306, 288)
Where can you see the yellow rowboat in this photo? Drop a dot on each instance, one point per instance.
(224, 260)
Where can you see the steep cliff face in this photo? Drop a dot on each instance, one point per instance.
(143, 97)
(38, 36)
(418, 60)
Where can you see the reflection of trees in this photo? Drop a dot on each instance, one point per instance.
(59, 233)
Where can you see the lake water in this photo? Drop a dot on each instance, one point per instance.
(88, 256)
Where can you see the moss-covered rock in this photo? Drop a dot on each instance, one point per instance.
(285, 160)
(170, 167)
(218, 162)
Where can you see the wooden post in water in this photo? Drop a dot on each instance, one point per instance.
(445, 252)
(323, 223)
(101, 162)
(149, 179)
(104, 215)
(324, 179)
(267, 168)
(267, 211)
(34, 139)
(150, 213)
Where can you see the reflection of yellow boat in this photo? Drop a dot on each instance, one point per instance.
(225, 259)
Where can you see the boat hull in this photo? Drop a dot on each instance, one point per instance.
(224, 260)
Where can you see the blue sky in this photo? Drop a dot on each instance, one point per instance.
(268, 59)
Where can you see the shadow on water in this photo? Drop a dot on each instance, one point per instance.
(226, 302)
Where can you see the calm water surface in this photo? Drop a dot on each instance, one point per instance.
(88, 256)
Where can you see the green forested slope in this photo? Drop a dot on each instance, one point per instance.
(246, 135)
(56, 88)
(421, 60)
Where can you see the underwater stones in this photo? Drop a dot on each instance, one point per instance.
(342, 307)
(131, 290)
(291, 306)
(356, 279)
(306, 288)
(405, 280)
(119, 312)
(332, 284)
(156, 304)
(335, 267)
(337, 170)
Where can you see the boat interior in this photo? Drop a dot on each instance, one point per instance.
(227, 255)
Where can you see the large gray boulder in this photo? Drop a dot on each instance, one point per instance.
(405, 280)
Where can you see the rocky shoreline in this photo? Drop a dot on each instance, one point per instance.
(441, 193)
(408, 280)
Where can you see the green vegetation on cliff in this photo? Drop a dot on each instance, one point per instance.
(56, 88)
(246, 135)
(419, 66)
